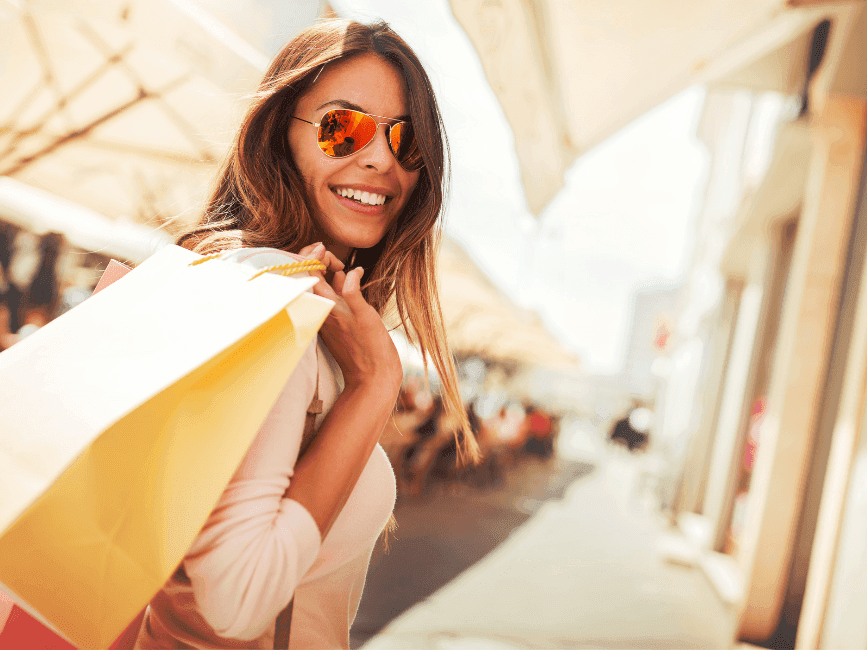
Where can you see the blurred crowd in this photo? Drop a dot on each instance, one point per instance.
(420, 441)
(29, 293)
(38, 281)
(632, 429)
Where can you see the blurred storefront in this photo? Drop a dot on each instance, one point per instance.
(761, 387)
(770, 487)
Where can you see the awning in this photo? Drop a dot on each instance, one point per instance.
(569, 74)
(482, 321)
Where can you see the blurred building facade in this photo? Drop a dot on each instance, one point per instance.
(765, 384)
(649, 333)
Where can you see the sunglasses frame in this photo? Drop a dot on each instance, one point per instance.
(391, 121)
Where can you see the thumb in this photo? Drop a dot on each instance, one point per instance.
(352, 290)
(308, 250)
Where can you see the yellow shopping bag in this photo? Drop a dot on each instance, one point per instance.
(122, 421)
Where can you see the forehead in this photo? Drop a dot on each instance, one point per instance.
(366, 80)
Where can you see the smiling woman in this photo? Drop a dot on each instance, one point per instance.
(353, 167)
(341, 158)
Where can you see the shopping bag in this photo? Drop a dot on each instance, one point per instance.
(113, 272)
(122, 421)
(18, 629)
(21, 630)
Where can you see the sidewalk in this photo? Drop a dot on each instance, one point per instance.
(583, 572)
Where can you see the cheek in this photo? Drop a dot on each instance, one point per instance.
(410, 185)
(314, 167)
(303, 152)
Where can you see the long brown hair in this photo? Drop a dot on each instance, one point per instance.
(261, 200)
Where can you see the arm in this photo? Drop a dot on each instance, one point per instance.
(262, 537)
(257, 545)
(326, 475)
(372, 373)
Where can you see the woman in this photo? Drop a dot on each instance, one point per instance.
(341, 158)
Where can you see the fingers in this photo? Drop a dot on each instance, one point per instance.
(323, 289)
(351, 292)
(338, 281)
(331, 261)
(307, 251)
(319, 252)
(346, 286)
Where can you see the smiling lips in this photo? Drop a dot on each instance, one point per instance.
(368, 198)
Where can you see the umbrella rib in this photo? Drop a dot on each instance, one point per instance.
(38, 45)
(83, 131)
(185, 127)
(47, 73)
(154, 153)
(63, 101)
(22, 106)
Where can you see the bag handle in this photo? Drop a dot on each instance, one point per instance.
(285, 269)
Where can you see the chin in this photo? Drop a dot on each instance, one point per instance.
(361, 240)
(367, 243)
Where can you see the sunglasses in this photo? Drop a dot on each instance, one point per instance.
(343, 132)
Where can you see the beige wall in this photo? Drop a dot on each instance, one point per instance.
(835, 599)
(691, 494)
(734, 396)
(807, 325)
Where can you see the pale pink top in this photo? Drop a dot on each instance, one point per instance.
(258, 548)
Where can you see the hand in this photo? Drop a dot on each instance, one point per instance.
(354, 332)
(318, 251)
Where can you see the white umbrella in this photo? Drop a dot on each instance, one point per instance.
(124, 107)
(481, 320)
(41, 212)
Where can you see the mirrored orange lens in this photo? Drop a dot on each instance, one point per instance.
(403, 144)
(343, 132)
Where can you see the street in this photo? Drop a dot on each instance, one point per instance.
(581, 571)
(444, 533)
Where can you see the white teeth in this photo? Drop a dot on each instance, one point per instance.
(370, 198)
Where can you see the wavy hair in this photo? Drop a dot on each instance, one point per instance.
(260, 198)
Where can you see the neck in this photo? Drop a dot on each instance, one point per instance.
(340, 251)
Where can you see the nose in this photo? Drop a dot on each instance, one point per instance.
(377, 155)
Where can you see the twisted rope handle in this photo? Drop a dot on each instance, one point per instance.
(293, 268)
(207, 258)
(285, 269)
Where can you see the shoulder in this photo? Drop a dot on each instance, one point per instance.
(259, 257)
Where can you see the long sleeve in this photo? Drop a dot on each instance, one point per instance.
(257, 545)
(258, 550)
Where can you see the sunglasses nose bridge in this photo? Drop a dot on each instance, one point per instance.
(371, 144)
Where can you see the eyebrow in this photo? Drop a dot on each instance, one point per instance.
(355, 107)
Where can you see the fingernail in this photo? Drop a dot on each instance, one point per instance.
(318, 248)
